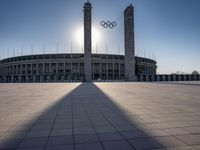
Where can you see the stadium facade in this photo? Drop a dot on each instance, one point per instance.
(81, 67)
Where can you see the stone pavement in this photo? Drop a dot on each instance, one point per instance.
(100, 116)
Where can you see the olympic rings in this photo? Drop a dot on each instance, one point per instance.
(109, 24)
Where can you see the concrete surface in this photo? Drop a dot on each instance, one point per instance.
(100, 116)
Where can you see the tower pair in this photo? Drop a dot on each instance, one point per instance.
(129, 59)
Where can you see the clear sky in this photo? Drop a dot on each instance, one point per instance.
(168, 30)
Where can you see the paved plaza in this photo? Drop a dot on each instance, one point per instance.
(100, 116)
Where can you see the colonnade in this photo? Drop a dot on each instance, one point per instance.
(165, 77)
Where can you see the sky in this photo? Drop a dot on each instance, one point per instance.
(165, 30)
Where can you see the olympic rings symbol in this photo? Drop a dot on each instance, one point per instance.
(108, 24)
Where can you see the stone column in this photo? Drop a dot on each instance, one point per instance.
(57, 69)
(26, 78)
(100, 71)
(113, 71)
(184, 77)
(106, 71)
(119, 72)
(168, 77)
(37, 71)
(12, 78)
(34, 78)
(50, 69)
(152, 78)
(87, 42)
(158, 77)
(19, 78)
(195, 77)
(147, 78)
(43, 69)
(174, 77)
(93, 70)
(64, 70)
(41, 79)
(48, 78)
(31, 69)
(179, 77)
(163, 78)
(44, 72)
(55, 78)
(26, 69)
(62, 79)
(189, 77)
(129, 59)
(71, 69)
(141, 79)
(4, 79)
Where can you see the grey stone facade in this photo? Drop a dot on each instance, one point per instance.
(87, 42)
(68, 68)
(129, 60)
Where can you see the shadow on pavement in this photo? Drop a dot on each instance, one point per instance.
(86, 118)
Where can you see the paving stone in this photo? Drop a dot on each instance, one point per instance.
(182, 148)
(41, 127)
(14, 135)
(16, 128)
(35, 148)
(169, 141)
(117, 145)
(60, 132)
(145, 143)
(192, 129)
(175, 131)
(9, 144)
(67, 125)
(191, 139)
(110, 136)
(85, 138)
(43, 133)
(134, 134)
(60, 140)
(84, 130)
(105, 129)
(33, 142)
(61, 147)
(89, 146)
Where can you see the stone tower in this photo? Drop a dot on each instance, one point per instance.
(87, 42)
(129, 60)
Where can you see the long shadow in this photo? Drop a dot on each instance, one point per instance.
(85, 118)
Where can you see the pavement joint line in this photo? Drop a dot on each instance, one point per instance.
(26, 134)
(114, 127)
(94, 127)
(71, 103)
(58, 109)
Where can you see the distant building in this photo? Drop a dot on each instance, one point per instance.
(81, 67)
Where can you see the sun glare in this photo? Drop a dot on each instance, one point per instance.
(79, 36)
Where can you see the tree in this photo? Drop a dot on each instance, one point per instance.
(195, 72)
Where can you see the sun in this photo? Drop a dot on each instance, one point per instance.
(79, 36)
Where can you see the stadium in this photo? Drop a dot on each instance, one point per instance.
(68, 68)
